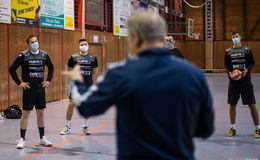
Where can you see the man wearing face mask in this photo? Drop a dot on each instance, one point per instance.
(240, 57)
(33, 62)
(170, 44)
(88, 64)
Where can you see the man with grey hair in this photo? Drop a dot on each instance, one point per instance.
(162, 102)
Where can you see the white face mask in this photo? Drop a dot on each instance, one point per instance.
(84, 48)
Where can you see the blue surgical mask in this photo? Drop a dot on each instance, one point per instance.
(236, 40)
(35, 46)
(169, 45)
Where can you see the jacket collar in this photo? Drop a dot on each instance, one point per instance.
(155, 51)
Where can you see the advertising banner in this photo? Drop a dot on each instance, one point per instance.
(5, 11)
(122, 11)
(25, 12)
(69, 14)
(52, 13)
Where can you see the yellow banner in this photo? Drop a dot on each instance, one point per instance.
(25, 11)
(69, 22)
(117, 29)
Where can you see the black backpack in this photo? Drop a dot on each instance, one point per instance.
(13, 112)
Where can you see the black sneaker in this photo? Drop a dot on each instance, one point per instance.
(257, 133)
(232, 132)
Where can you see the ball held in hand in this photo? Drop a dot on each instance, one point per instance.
(236, 75)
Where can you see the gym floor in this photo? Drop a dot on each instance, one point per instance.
(101, 144)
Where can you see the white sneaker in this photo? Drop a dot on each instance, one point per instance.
(1, 117)
(21, 143)
(65, 130)
(45, 142)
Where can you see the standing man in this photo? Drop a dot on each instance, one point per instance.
(89, 69)
(240, 57)
(33, 63)
(170, 44)
(159, 109)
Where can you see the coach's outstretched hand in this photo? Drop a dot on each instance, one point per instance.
(74, 74)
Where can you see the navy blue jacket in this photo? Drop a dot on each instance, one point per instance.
(162, 103)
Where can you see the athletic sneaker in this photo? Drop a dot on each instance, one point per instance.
(21, 143)
(65, 130)
(232, 132)
(45, 142)
(85, 131)
(1, 117)
(257, 133)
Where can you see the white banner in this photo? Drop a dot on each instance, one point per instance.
(69, 14)
(123, 9)
(5, 11)
(121, 14)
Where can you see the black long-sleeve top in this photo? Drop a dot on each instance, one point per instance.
(239, 59)
(32, 68)
(87, 64)
(176, 52)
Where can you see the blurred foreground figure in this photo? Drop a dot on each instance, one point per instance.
(162, 102)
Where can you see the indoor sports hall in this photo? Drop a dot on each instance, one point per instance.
(88, 79)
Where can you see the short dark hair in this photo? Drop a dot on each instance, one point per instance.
(235, 32)
(29, 37)
(83, 39)
(170, 35)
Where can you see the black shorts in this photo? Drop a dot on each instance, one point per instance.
(34, 97)
(243, 88)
